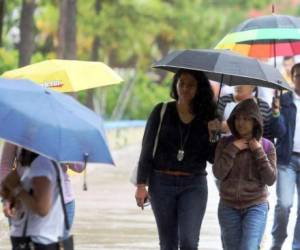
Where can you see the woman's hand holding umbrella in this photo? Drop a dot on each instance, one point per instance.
(214, 129)
(276, 106)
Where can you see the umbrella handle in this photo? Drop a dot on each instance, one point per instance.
(278, 93)
(216, 134)
(86, 156)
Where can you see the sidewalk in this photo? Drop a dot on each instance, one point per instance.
(107, 217)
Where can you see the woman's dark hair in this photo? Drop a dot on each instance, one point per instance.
(203, 103)
(293, 69)
(27, 157)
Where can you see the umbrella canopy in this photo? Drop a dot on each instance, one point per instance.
(225, 67)
(50, 123)
(67, 75)
(269, 22)
(265, 50)
(277, 35)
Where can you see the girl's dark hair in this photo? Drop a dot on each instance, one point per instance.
(27, 157)
(203, 103)
(257, 130)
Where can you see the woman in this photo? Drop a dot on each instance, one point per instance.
(10, 153)
(245, 163)
(35, 211)
(176, 173)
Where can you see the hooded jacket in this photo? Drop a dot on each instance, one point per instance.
(245, 174)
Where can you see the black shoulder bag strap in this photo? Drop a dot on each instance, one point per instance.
(25, 226)
(67, 224)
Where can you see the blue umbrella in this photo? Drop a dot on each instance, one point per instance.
(51, 123)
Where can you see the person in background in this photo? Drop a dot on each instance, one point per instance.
(288, 160)
(243, 92)
(176, 175)
(10, 154)
(225, 90)
(287, 64)
(245, 164)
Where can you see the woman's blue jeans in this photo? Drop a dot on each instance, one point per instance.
(70, 209)
(178, 204)
(288, 180)
(242, 229)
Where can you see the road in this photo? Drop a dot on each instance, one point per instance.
(107, 217)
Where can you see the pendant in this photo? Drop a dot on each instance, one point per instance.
(180, 155)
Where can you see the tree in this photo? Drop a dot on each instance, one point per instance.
(26, 45)
(95, 57)
(67, 29)
(2, 6)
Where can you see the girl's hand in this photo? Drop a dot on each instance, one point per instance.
(141, 195)
(241, 144)
(254, 144)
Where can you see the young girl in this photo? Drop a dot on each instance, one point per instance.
(245, 163)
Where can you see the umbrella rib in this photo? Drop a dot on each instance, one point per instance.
(221, 73)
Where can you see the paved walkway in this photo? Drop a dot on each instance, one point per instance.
(107, 217)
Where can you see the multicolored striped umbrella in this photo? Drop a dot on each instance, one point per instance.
(265, 36)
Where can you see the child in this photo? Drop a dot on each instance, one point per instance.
(245, 163)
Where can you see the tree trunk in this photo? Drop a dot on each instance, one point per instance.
(163, 47)
(123, 99)
(95, 57)
(2, 7)
(67, 30)
(26, 45)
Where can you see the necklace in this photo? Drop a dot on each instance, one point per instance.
(183, 140)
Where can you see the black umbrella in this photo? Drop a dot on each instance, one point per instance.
(225, 67)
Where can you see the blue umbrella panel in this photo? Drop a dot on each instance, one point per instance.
(51, 123)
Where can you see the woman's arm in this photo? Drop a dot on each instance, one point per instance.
(40, 200)
(76, 167)
(8, 156)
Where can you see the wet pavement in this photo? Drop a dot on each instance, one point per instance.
(107, 217)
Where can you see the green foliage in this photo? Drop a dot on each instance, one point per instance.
(145, 95)
(133, 34)
(8, 59)
(253, 4)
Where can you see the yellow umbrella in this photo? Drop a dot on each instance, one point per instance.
(67, 75)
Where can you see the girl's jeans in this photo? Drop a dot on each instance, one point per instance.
(242, 229)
